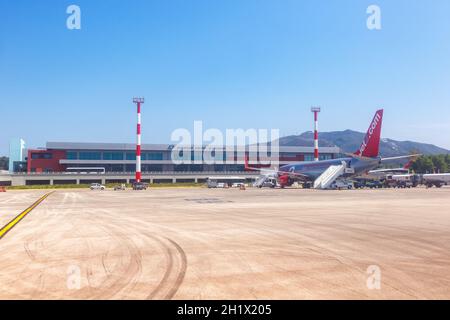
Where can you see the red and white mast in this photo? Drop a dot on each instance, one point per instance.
(138, 102)
(316, 110)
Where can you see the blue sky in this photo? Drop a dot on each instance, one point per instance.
(230, 63)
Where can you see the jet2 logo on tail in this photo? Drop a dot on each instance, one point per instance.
(368, 147)
(372, 127)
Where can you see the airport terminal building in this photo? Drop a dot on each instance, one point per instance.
(84, 163)
(156, 158)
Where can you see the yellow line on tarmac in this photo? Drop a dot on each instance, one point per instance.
(16, 220)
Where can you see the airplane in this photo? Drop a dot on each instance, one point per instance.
(321, 174)
(383, 173)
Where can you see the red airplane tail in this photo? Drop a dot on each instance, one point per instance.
(370, 146)
(408, 165)
(247, 168)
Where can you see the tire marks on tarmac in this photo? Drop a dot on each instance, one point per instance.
(120, 282)
(175, 270)
(174, 256)
(113, 252)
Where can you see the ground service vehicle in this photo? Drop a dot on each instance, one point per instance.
(119, 187)
(223, 182)
(237, 185)
(402, 181)
(436, 179)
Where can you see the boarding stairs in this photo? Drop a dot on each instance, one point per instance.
(258, 183)
(329, 176)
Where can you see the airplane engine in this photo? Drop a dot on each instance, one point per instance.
(284, 181)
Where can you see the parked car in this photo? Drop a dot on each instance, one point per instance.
(359, 184)
(97, 186)
(140, 186)
(374, 184)
(341, 184)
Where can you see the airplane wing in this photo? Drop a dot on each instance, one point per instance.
(405, 169)
(273, 172)
(400, 157)
(394, 170)
(384, 159)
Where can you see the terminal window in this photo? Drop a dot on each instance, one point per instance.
(88, 155)
(41, 156)
(152, 156)
(72, 155)
(112, 155)
(324, 156)
(131, 156)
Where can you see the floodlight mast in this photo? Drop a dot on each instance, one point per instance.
(316, 111)
(138, 102)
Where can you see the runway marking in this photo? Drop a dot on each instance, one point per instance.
(208, 200)
(18, 218)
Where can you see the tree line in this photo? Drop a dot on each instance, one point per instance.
(432, 164)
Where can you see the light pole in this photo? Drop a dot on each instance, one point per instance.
(138, 102)
(316, 111)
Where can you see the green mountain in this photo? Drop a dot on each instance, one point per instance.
(350, 141)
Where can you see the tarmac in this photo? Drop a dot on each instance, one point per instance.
(198, 243)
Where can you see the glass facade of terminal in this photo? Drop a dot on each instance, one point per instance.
(124, 157)
(120, 158)
(112, 155)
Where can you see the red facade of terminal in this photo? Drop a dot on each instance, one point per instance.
(45, 161)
